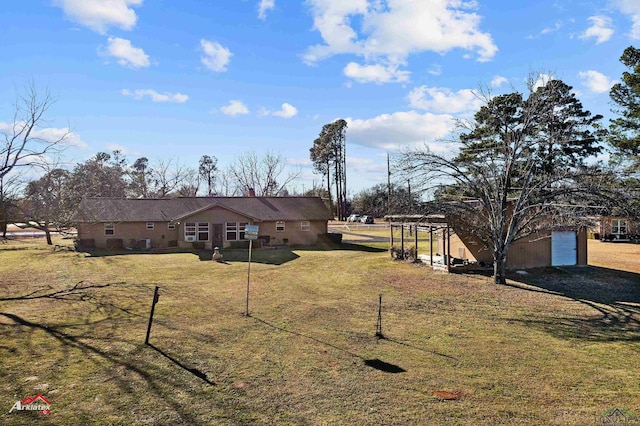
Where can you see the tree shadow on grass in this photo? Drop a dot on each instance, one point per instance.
(70, 341)
(199, 374)
(613, 295)
(276, 256)
(343, 246)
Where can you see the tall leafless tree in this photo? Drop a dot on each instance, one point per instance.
(24, 142)
(519, 170)
(265, 175)
(167, 176)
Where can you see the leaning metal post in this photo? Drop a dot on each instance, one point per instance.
(156, 296)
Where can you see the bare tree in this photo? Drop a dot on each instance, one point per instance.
(226, 186)
(10, 187)
(48, 203)
(190, 183)
(167, 176)
(262, 174)
(23, 143)
(519, 170)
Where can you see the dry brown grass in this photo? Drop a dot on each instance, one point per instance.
(618, 256)
(555, 347)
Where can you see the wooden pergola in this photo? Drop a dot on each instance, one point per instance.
(417, 222)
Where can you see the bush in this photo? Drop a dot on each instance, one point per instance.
(398, 254)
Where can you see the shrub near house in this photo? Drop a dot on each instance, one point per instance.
(199, 222)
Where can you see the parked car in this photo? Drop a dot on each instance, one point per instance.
(366, 219)
(354, 218)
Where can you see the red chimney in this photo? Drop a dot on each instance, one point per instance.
(251, 192)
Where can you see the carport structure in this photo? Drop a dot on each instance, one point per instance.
(560, 246)
(434, 224)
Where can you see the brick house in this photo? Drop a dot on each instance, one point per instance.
(203, 222)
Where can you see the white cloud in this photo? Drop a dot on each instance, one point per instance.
(215, 57)
(436, 69)
(286, 111)
(397, 29)
(126, 54)
(498, 81)
(365, 165)
(49, 134)
(553, 29)
(631, 8)
(444, 100)
(375, 73)
(99, 15)
(400, 129)
(234, 108)
(264, 6)
(600, 29)
(156, 96)
(541, 81)
(595, 81)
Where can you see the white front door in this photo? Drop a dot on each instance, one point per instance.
(563, 248)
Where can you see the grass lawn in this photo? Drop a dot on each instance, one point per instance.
(554, 347)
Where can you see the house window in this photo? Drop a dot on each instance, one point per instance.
(109, 229)
(190, 231)
(235, 230)
(279, 226)
(305, 225)
(618, 226)
(203, 231)
(171, 226)
(232, 231)
(149, 225)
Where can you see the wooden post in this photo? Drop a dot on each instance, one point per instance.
(416, 240)
(390, 235)
(431, 245)
(156, 296)
(402, 240)
(448, 247)
(379, 334)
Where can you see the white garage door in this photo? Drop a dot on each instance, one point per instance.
(563, 248)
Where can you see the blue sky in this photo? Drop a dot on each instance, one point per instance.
(167, 78)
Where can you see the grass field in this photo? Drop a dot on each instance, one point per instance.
(554, 347)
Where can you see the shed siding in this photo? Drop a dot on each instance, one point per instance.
(530, 252)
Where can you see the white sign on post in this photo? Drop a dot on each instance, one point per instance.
(251, 232)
